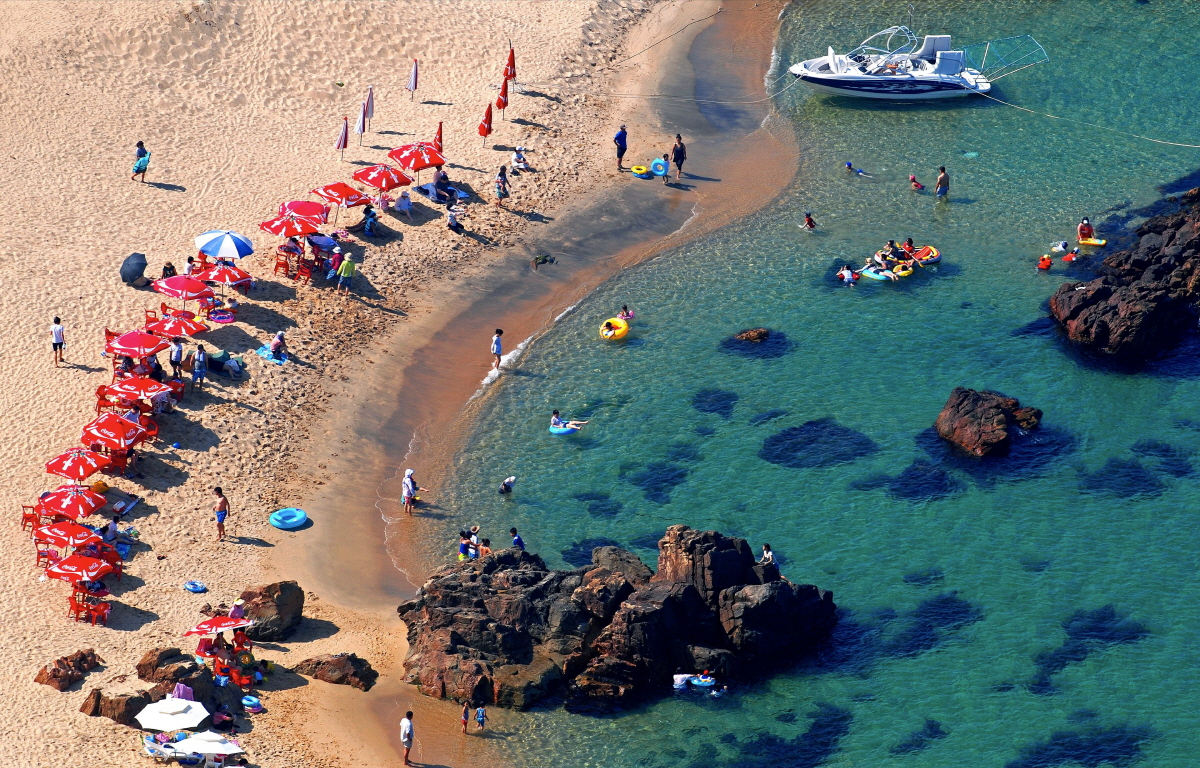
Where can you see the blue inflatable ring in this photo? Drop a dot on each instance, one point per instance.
(195, 586)
(288, 518)
(250, 701)
(697, 680)
(563, 430)
(659, 167)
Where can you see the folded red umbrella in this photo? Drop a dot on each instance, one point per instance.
(77, 464)
(171, 326)
(416, 157)
(73, 501)
(341, 193)
(135, 344)
(111, 430)
(183, 287)
(65, 534)
(306, 208)
(225, 275)
(78, 568)
(291, 225)
(138, 388)
(382, 177)
(217, 624)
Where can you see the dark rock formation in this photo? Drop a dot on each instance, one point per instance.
(506, 629)
(62, 673)
(753, 334)
(339, 669)
(980, 422)
(276, 610)
(1140, 303)
(165, 667)
(119, 707)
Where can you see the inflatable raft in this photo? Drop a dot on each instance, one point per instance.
(619, 329)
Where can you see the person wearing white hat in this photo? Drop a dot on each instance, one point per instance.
(409, 493)
(519, 163)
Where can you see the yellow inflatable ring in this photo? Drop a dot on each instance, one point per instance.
(640, 170)
(619, 329)
(902, 270)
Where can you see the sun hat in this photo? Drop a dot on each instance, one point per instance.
(408, 473)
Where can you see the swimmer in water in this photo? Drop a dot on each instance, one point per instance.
(847, 275)
(626, 313)
(557, 422)
(1045, 262)
(918, 186)
(1084, 231)
(1072, 255)
(1060, 247)
(809, 224)
(851, 169)
(609, 330)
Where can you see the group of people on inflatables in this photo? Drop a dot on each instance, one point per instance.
(888, 261)
(1085, 234)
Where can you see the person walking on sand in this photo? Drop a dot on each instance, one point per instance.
(58, 340)
(466, 714)
(497, 349)
(678, 155)
(199, 367)
(942, 187)
(141, 161)
(667, 173)
(345, 276)
(175, 355)
(221, 510)
(621, 141)
(480, 717)
(406, 734)
(408, 494)
(501, 186)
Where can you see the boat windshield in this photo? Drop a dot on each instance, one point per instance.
(890, 42)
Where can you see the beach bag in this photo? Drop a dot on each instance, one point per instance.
(100, 486)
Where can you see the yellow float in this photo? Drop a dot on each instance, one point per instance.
(617, 330)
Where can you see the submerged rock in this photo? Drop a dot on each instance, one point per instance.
(507, 629)
(817, 443)
(981, 422)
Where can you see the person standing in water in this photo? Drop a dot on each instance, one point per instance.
(497, 349)
(942, 187)
(409, 491)
(1084, 231)
(466, 714)
(480, 717)
(141, 161)
(406, 735)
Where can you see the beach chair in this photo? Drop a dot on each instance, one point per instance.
(151, 427)
(151, 316)
(30, 517)
(78, 611)
(47, 558)
(304, 271)
(282, 262)
(155, 750)
(99, 613)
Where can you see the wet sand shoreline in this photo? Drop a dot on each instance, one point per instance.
(407, 407)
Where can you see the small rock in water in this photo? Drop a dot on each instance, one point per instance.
(715, 401)
(818, 443)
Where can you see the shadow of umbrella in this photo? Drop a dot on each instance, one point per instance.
(133, 267)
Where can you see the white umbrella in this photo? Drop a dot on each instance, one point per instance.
(370, 102)
(412, 82)
(361, 126)
(171, 715)
(207, 743)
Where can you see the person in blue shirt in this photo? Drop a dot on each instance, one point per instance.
(141, 158)
(518, 542)
(620, 141)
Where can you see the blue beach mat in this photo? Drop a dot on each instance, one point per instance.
(265, 353)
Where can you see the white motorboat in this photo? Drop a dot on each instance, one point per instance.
(891, 65)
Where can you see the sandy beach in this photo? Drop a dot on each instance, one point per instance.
(239, 104)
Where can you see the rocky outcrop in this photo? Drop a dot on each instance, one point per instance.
(62, 673)
(118, 707)
(339, 669)
(982, 422)
(1142, 301)
(276, 609)
(165, 667)
(753, 334)
(506, 629)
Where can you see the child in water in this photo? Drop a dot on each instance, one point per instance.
(1072, 254)
(918, 186)
(809, 224)
(1045, 262)
(851, 169)
(626, 313)
(847, 275)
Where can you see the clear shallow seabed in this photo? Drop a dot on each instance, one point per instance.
(1042, 610)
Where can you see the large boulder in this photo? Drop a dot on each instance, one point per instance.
(339, 669)
(623, 562)
(518, 686)
(62, 673)
(118, 707)
(707, 560)
(276, 609)
(775, 620)
(982, 422)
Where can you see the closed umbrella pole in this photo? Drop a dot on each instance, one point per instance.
(360, 127)
(370, 104)
(343, 139)
(412, 82)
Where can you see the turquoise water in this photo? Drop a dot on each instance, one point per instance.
(957, 582)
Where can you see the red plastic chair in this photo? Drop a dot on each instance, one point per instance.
(304, 271)
(78, 610)
(47, 558)
(98, 613)
(30, 517)
(282, 262)
(151, 316)
(151, 427)
(204, 649)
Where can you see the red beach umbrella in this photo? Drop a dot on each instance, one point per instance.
(225, 275)
(437, 140)
(510, 67)
(217, 624)
(73, 501)
(412, 82)
(138, 388)
(502, 99)
(306, 208)
(485, 126)
(343, 139)
(183, 287)
(112, 431)
(77, 464)
(65, 534)
(169, 327)
(78, 568)
(135, 344)
(291, 225)
(418, 156)
(382, 177)
(360, 125)
(341, 194)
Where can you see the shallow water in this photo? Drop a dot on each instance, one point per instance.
(1039, 611)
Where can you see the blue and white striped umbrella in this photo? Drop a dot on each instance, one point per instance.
(222, 244)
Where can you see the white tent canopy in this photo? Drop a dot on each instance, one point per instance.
(171, 715)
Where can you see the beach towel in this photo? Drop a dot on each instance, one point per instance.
(428, 191)
(122, 550)
(142, 164)
(265, 353)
